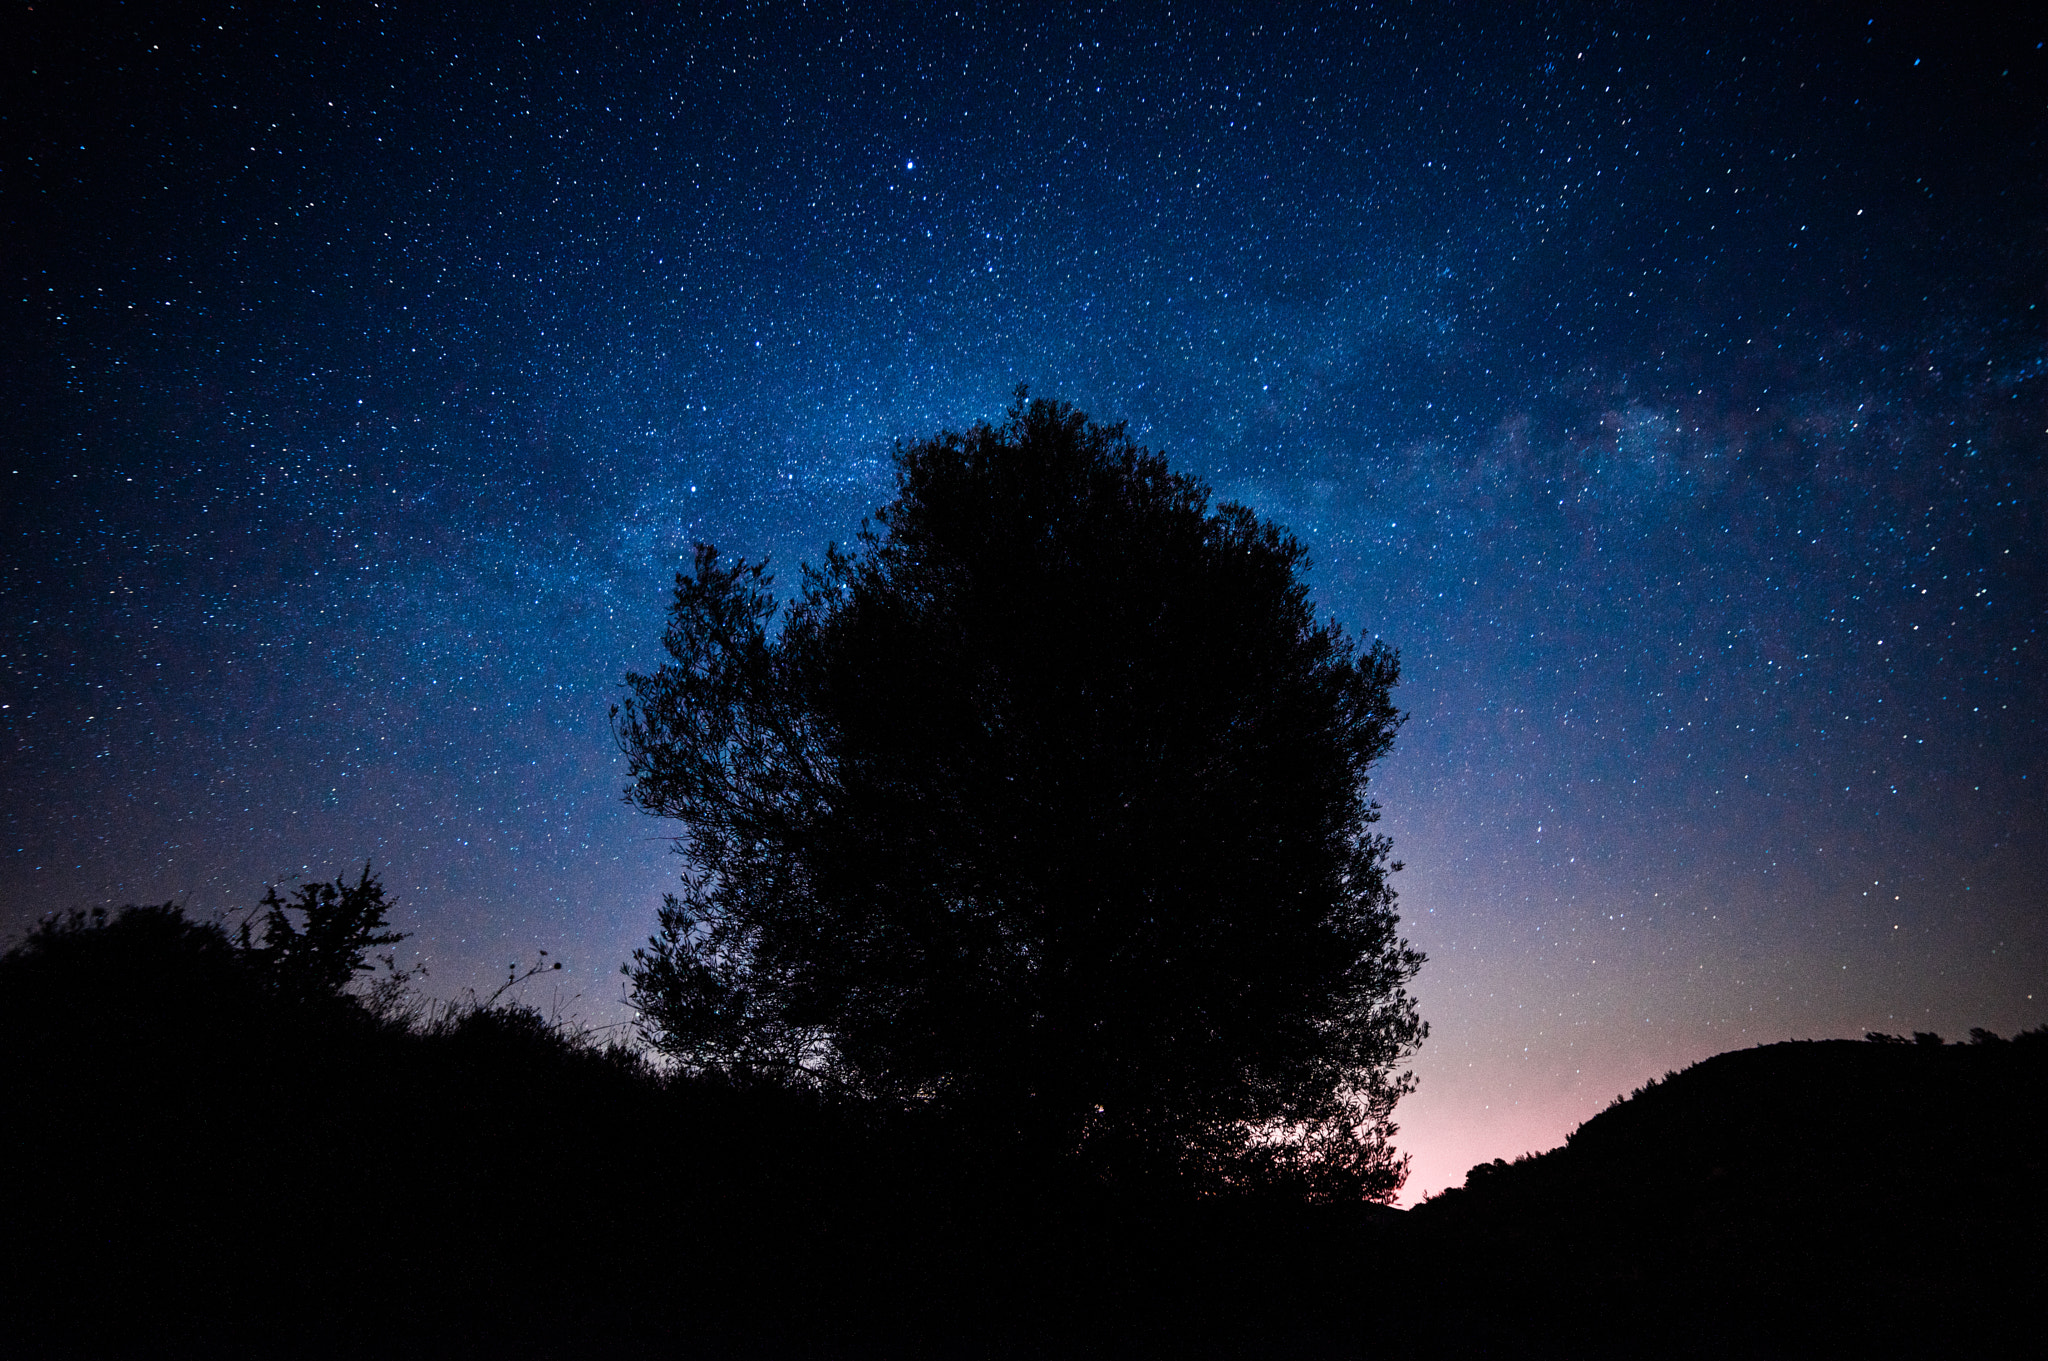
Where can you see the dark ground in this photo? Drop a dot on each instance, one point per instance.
(198, 1167)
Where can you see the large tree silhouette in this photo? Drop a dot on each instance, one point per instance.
(1045, 806)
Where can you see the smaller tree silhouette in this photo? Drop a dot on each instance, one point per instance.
(342, 923)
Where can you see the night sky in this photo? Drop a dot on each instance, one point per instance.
(1673, 393)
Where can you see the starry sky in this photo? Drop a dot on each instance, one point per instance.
(1671, 391)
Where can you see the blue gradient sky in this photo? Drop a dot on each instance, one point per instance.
(1670, 391)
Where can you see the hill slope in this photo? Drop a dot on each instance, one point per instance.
(1835, 1197)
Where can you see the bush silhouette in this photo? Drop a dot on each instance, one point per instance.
(320, 955)
(124, 965)
(212, 1151)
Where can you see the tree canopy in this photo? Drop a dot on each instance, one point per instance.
(1044, 806)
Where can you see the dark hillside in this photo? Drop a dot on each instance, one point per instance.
(198, 1165)
(1834, 1197)
(201, 1164)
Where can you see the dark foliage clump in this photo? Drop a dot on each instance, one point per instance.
(213, 1143)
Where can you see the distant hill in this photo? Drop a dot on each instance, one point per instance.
(1833, 1197)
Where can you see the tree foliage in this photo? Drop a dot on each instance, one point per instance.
(1044, 806)
(320, 954)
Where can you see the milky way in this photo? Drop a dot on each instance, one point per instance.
(1670, 392)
